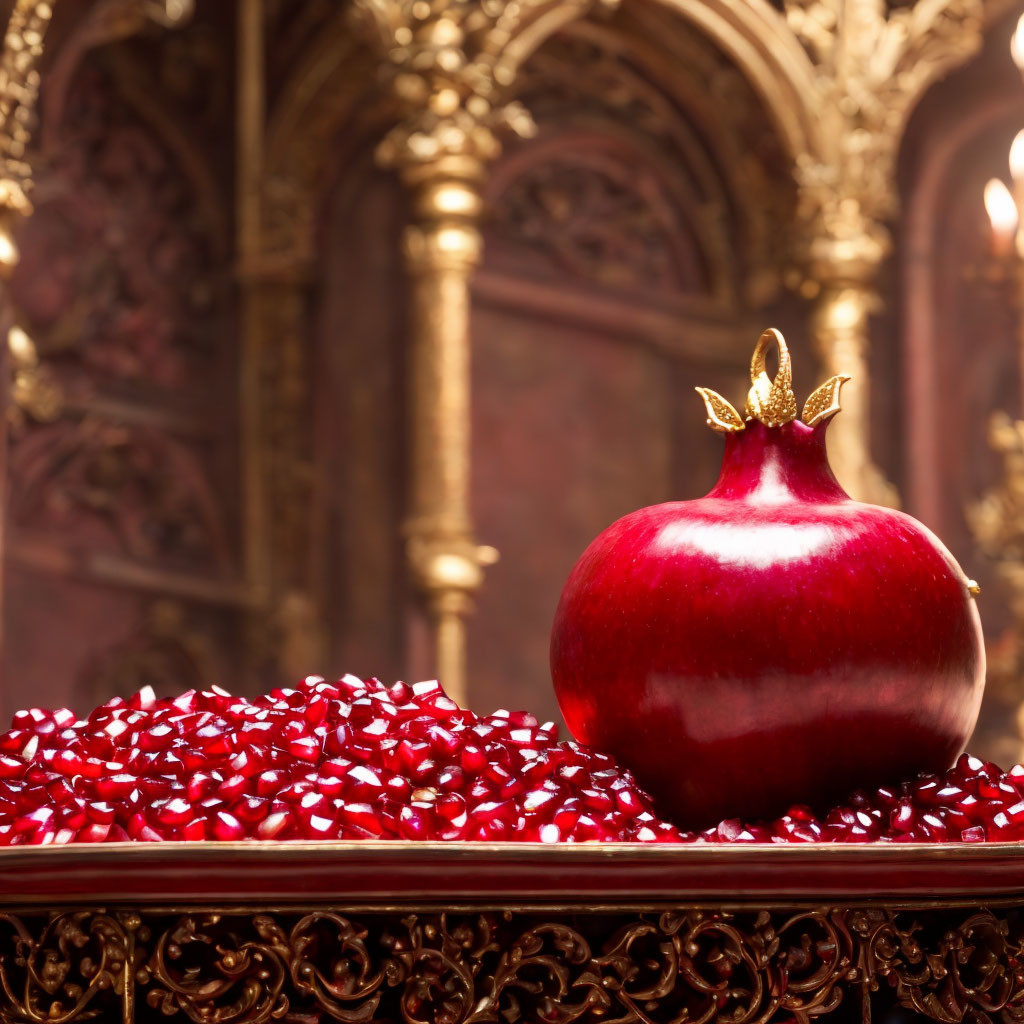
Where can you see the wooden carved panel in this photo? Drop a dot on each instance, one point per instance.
(599, 217)
(710, 965)
(132, 489)
(122, 512)
(119, 274)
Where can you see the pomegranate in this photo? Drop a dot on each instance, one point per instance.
(772, 638)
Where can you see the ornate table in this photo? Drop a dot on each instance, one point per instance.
(447, 933)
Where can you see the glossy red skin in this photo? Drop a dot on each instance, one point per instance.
(771, 643)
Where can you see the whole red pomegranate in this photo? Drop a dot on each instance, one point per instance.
(775, 641)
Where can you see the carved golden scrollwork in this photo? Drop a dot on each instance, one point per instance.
(19, 88)
(211, 972)
(65, 969)
(331, 964)
(708, 966)
(450, 66)
(948, 974)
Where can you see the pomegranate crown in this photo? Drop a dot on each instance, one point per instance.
(769, 401)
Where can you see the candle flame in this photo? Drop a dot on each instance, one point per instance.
(1000, 207)
(1017, 44)
(1017, 157)
(21, 346)
(8, 249)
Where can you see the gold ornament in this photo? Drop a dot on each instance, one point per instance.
(771, 400)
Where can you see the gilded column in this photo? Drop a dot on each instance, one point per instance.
(442, 247)
(448, 66)
(872, 63)
(19, 89)
(841, 264)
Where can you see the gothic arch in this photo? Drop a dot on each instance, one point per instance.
(334, 84)
(754, 34)
(329, 87)
(684, 104)
(627, 165)
(922, 393)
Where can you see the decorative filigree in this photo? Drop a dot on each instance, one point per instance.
(705, 966)
(145, 491)
(770, 400)
(721, 414)
(547, 974)
(818, 953)
(823, 402)
(997, 518)
(996, 521)
(213, 970)
(944, 972)
(19, 78)
(697, 966)
(136, 303)
(75, 967)
(681, 227)
(603, 220)
(35, 392)
(873, 63)
(330, 963)
(451, 62)
(19, 88)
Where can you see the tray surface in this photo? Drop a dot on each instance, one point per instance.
(397, 874)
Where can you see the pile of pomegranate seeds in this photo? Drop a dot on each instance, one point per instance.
(972, 802)
(347, 760)
(358, 760)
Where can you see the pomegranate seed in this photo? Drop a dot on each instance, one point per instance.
(94, 833)
(318, 827)
(550, 833)
(274, 825)
(306, 748)
(195, 830)
(415, 823)
(362, 816)
(227, 827)
(175, 812)
(270, 782)
(251, 809)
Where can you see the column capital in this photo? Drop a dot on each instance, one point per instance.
(450, 67)
(872, 63)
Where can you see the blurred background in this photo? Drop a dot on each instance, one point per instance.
(315, 308)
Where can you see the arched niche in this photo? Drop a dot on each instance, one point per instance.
(588, 335)
(950, 343)
(631, 249)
